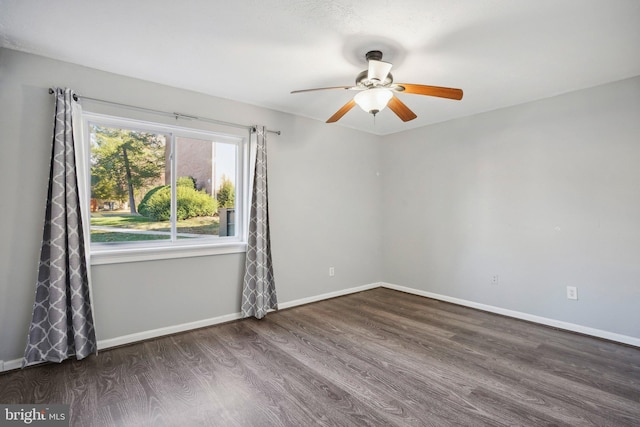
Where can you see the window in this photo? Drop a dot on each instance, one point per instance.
(162, 191)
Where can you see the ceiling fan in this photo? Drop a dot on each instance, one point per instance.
(376, 91)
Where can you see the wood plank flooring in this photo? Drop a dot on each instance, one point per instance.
(377, 358)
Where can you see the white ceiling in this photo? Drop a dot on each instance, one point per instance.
(500, 52)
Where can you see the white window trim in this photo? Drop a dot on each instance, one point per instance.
(159, 250)
(114, 256)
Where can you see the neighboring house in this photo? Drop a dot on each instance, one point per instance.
(196, 158)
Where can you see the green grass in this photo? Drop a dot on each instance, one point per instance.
(201, 225)
(99, 236)
(137, 222)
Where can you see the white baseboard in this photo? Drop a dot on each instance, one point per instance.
(625, 339)
(174, 329)
(329, 295)
(9, 365)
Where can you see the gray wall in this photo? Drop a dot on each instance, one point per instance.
(545, 195)
(324, 203)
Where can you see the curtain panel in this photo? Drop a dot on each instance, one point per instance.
(259, 291)
(62, 320)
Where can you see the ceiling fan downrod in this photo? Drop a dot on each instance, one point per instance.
(375, 55)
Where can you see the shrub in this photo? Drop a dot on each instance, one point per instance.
(186, 181)
(156, 204)
(226, 194)
(193, 203)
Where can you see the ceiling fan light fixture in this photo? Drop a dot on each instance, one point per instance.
(373, 100)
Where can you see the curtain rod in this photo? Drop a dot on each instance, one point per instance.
(76, 97)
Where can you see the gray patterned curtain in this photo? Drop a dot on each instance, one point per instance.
(62, 320)
(259, 290)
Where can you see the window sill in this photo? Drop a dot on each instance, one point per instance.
(122, 255)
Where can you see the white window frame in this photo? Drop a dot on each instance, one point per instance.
(165, 249)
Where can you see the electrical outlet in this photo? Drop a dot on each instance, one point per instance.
(495, 279)
(572, 292)
(332, 272)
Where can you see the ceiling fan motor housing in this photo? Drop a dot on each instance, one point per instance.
(363, 80)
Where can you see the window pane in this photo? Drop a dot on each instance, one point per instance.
(206, 176)
(127, 167)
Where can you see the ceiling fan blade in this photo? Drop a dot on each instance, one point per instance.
(378, 70)
(401, 109)
(342, 111)
(325, 88)
(441, 92)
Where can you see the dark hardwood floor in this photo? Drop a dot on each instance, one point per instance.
(380, 358)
